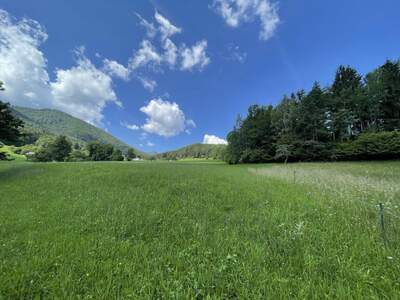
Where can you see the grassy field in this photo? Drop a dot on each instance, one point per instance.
(153, 230)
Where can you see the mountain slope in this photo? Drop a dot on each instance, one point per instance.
(49, 121)
(195, 151)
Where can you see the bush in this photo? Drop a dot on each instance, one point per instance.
(254, 156)
(313, 151)
(60, 148)
(117, 155)
(99, 151)
(77, 155)
(130, 154)
(43, 155)
(372, 146)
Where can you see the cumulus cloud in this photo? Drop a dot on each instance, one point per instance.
(23, 67)
(235, 12)
(82, 91)
(213, 140)
(115, 69)
(195, 57)
(165, 118)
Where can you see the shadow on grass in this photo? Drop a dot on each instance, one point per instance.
(11, 170)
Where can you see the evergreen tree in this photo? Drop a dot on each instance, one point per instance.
(9, 125)
(344, 89)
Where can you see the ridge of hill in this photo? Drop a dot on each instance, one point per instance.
(55, 122)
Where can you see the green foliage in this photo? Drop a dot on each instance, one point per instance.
(130, 154)
(99, 151)
(10, 153)
(49, 148)
(9, 125)
(117, 155)
(198, 231)
(39, 122)
(307, 126)
(61, 148)
(43, 155)
(368, 146)
(78, 155)
(201, 151)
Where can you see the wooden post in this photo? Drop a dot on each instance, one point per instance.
(382, 221)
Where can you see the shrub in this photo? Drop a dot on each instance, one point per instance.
(117, 155)
(43, 155)
(99, 151)
(77, 155)
(381, 145)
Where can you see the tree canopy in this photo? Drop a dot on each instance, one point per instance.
(311, 125)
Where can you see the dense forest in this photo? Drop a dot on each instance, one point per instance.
(200, 151)
(355, 118)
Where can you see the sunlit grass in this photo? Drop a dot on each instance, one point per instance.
(195, 230)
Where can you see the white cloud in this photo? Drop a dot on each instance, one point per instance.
(195, 57)
(148, 84)
(166, 52)
(147, 54)
(164, 118)
(235, 12)
(82, 91)
(132, 127)
(166, 28)
(213, 140)
(22, 64)
(171, 52)
(113, 68)
(190, 123)
(150, 144)
(151, 30)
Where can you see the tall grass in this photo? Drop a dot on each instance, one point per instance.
(193, 230)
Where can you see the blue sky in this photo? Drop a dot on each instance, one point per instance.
(192, 69)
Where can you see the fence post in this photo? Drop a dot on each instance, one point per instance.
(294, 176)
(382, 221)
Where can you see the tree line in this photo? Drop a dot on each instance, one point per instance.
(354, 118)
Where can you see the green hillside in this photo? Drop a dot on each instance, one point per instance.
(203, 151)
(49, 121)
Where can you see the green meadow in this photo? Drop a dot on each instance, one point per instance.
(189, 230)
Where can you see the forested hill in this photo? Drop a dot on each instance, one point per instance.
(204, 151)
(54, 122)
